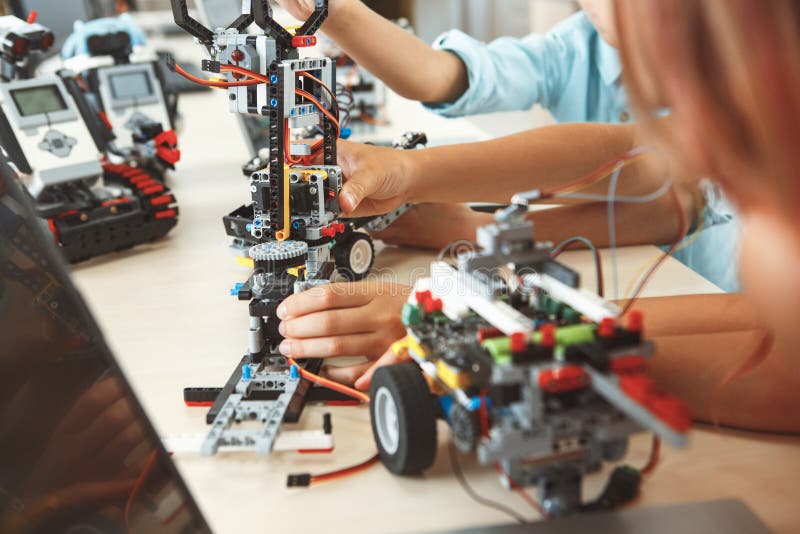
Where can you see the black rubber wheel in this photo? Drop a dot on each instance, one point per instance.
(403, 416)
(354, 255)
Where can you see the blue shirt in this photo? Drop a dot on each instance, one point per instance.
(571, 71)
(713, 253)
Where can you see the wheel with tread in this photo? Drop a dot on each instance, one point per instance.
(403, 415)
(354, 255)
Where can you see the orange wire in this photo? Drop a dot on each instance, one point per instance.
(138, 486)
(211, 83)
(346, 471)
(652, 462)
(597, 174)
(330, 384)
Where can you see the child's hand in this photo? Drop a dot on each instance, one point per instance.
(343, 319)
(376, 178)
(302, 9)
(434, 226)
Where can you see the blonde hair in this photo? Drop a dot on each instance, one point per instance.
(729, 72)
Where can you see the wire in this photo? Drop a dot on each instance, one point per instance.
(137, 487)
(652, 461)
(612, 230)
(522, 493)
(211, 83)
(686, 243)
(330, 384)
(462, 480)
(340, 473)
(681, 235)
(598, 264)
(642, 199)
(334, 102)
(598, 174)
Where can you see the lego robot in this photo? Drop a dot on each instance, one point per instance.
(294, 223)
(126, 86)
(534, 375)
(57, 143)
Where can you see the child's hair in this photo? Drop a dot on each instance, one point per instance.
(729, 72)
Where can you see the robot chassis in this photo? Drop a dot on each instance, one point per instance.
(536, 376)
(55, 139)
(293, 226)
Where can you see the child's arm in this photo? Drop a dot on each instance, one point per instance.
(379, 179)
(401, 60)
(700, 340)
(434, 226)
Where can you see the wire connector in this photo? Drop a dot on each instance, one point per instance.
(169, 60)
(209, 65)
(298, 480)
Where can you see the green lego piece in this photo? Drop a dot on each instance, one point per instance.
(410, 315)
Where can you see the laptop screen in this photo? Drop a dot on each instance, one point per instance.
(77, 453)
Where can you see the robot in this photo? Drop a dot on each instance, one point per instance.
(294, 221)
(126, 86)
(57, 142)
(535, 376)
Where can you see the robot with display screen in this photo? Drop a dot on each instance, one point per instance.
(126, 86)
(57, 142)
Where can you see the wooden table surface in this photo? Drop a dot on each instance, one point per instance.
(167, 314)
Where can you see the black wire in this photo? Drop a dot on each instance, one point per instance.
(471, 492)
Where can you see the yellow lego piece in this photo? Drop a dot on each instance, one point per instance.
(245, 262)
(283, 233)
(453, 378)
(409, 343)
(295, 271)
(306, 174)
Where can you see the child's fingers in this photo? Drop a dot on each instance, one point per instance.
(326, 347)
(346, 375)
(388, 358)
(327, 297)
(329, 323)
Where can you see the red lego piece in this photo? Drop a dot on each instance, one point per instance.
(671, 411)
(606, 327)
(422, 296)
(432, 305)
(548, 332)
(300, 41)
(519, 341)
(562, 379)
(628, 364)
(635, 321)
(488, 333)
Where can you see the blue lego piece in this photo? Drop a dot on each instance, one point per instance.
(446, 401)
(76, 43)
(246, 372)
(294, 374)
(235, 289)
(345, 133)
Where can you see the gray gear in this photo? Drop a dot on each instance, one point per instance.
(278, 251)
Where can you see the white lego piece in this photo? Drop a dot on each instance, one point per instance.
(589, 304)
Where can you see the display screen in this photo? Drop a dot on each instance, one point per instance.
(38, 100)
(130, 85)
(78, 453)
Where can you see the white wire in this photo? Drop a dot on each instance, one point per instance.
(642, 199)
(612, 229)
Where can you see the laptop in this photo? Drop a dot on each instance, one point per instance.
(78, 453)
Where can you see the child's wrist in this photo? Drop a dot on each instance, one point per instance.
(412, 168)
(338, 14)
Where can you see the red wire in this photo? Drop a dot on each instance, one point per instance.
(210, 83)
(597, 174)
(681, 235)
(652, 462)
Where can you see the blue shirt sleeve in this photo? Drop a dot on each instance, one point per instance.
(507, 74)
